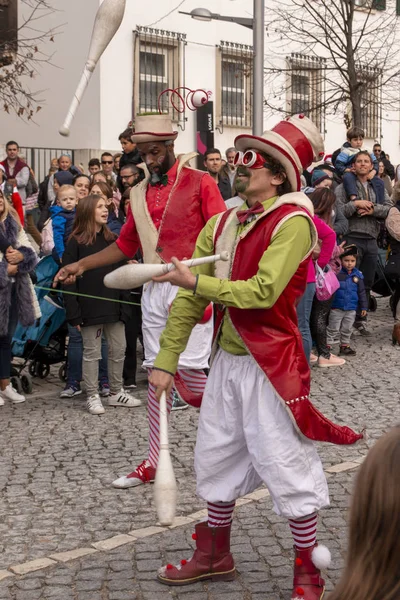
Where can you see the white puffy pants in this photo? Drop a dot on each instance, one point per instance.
(246, 437)
(156, 302)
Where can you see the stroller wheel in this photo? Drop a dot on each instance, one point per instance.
(32, 368)
(373, 305)
(62, 373)
(42, 370)
(16, 383)
(26, 383)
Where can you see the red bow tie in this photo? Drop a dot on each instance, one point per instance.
(243, 215)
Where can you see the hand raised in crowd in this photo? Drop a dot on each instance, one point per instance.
(14, 257)
(68, 274)
(181, 276)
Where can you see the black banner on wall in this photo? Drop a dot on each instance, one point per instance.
(205, 131)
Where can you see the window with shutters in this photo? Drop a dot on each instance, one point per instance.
(234, 84)
(159, 65)
(370, 90)
(305, 87)
(8, 31)
(368, 4)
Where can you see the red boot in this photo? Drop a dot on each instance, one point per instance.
(307, 581)
(212, 559)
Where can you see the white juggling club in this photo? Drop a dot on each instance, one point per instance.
(165, 488)
(133, 276)
(108, 20)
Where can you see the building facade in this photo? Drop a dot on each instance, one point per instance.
(156, 49)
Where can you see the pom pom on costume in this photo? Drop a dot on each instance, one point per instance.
(299, 562)
(321, 557)
(208, 313)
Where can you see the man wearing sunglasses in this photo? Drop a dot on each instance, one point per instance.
(107, 165)
(257, 424)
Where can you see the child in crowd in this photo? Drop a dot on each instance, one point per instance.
(349, 297)
(319, 179)
(371, 570)
(62, 217)
(344, 162)
(94, 317)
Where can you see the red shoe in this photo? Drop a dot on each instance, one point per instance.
(212, 559)
(307, 581)
(144, 473)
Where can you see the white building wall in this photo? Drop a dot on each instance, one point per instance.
(200, 59)
(107, 106)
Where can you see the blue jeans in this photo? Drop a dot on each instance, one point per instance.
(5, 340)
(75, 357)
(303, 316)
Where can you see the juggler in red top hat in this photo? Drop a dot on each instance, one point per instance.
(257, 423)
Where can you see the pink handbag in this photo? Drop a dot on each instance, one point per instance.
(326, 282)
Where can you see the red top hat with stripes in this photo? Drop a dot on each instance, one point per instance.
(295, 143)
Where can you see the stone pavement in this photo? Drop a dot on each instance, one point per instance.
(57, 462)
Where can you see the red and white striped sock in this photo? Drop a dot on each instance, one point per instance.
(304, 531)
(195, 380)
(220, 513)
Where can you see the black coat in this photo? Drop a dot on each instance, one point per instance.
(91, 311)
(224, 186)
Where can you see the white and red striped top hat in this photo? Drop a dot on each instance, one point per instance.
(295, 143)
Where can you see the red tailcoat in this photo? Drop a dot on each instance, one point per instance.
(183, 217)
(272, 336)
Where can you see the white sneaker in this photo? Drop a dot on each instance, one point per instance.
(123, 399)
(94, 405)
(10, 394)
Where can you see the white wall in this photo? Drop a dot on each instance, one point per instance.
(59, 83)
(202, 38)
(107, 106)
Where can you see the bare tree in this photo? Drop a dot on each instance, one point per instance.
(346, 57)
(24, 43)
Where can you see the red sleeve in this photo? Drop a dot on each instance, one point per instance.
(128, 241)
(212, 202)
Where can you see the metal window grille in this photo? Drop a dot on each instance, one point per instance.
(8, 31)
(370, 80)
(306, 87)
(39, 159)
(159, 65)
(236, 84)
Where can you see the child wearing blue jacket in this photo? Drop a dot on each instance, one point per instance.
(344, 163)
(62, 217)
(348, 298)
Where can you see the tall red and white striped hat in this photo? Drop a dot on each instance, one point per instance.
(295, 143)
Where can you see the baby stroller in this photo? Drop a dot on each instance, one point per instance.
(42, 344)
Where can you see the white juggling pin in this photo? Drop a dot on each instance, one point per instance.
(165, 488)
(133, 276)
(108, 20)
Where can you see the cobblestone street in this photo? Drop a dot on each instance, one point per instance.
(95, 543)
